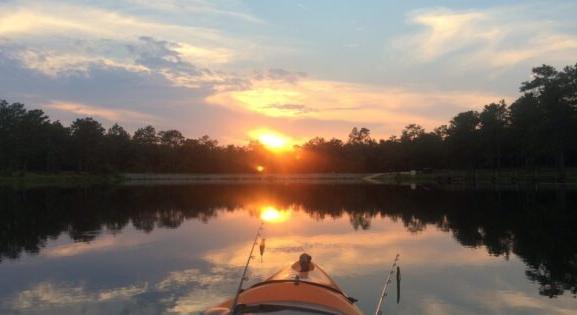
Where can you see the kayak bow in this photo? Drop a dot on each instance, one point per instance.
(303, 287)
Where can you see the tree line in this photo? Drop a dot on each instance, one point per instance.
(537, 130)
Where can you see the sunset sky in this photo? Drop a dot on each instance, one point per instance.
(299, 68)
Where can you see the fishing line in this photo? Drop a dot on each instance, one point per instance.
(250, 257)
(394, 269)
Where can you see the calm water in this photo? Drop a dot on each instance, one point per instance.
(177, 250)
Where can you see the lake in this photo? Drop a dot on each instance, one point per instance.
(179, 249)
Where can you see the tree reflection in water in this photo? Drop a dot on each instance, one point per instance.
(537, 226)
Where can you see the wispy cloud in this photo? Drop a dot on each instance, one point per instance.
(57, 63)
(108, 242)
(51, 295)
(76, 21)
(110, 114)
(445, 31)
(199, 7)
(498, 36)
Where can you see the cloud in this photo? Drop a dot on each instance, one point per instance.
(86, 33)
(432, 306)
(125, 96)
(333, 100)
(346, 254)
(179, 292)
(290, 109)
(108, 242)
(149, 62)
(499, 37)
(172, 60)
(145, 55)
(199, 7)
(55, 64)
(110, 114)
(501, 301)
(446, 31)
(34, 20)
(198, 290)
(49, 295)
(279, 75)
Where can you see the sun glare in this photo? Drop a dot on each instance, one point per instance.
(272, 140)
(273, 215)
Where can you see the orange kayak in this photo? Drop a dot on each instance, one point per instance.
(298, 288)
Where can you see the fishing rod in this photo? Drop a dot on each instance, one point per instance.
(394, 268)
(250, 256)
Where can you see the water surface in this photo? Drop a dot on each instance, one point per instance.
(179, 249)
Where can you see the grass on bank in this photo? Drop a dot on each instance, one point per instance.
(504, 176)
(439, 177)
(58, 179)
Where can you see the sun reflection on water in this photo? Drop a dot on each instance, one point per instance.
(273, 215)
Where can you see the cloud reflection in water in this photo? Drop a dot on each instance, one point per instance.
(176, 254)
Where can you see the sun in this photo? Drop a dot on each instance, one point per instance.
(272, 140)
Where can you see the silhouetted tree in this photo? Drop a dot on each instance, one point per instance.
(553, 91)
(526, 130)
(494, 120)
(171, 138)
(119, 148)
(463, 140)
(87, 141)
(359, 136)
(146, 135)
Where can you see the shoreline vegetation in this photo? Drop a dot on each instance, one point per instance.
(531, 140)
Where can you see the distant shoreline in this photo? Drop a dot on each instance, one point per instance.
(244, 178)
(430, 177)
(443, 178)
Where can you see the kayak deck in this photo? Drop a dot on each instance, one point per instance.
(312, 291)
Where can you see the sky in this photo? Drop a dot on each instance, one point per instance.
(226, 68)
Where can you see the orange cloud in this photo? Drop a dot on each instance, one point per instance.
(344, 101)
